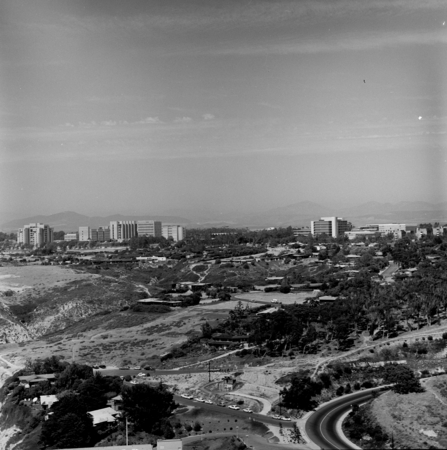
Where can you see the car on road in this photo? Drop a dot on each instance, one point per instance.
(209, 402)
(233, 407)
(141, 374)
(124, 368)
(136, 368)
(286, 418)
(275, 300)
(247, 410)
(199, 399)
(277, 417)
(189, 397)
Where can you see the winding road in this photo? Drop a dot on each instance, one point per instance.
(321, 426)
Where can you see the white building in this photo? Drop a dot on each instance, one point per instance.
(332, 226)
(149, 228)
(84, 234)
(35, 234)
(177, 232)
(123, 230)
(396, 229)
(71, 237)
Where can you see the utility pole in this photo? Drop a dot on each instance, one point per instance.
(127, 434)
(209, 370)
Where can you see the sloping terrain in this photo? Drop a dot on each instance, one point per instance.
(416, 420)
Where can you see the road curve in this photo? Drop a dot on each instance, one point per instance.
(321, 427)
(234, 412)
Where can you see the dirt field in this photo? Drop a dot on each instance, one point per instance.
(19, 278)
(285, 299)
(416, 420)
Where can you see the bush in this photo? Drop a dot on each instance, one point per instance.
(430, 338)
(188, 428)
(444, 336)
(367, 384)
(197, 426)
(404, 345)
(340, 390)
(356, 386)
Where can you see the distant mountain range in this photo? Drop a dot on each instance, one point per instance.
(297, 214)
(71, 221)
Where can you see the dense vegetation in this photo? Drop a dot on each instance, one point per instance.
(66, 423)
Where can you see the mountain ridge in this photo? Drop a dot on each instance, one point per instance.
(296, 214)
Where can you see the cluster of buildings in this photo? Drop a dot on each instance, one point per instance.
(337, 226)
(36, 234)
(123, 230)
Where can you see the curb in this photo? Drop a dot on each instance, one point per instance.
(342, 434)
(301, 423)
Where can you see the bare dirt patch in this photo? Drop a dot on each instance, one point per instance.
(18, 278)
(415, 420)
(285, 299)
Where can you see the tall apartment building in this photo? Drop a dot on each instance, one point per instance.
(332, 226)
(84, 234)
(177, 232)
(35, 234)
(149, 228)
(100, 234)
(123, 230)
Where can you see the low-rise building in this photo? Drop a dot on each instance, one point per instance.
(169, 444)
(71, 236)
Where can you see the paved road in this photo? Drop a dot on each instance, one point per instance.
(119, 372)
(321, 427)
(389, 271)
(235, 413)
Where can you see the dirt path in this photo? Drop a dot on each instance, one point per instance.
(403, 337)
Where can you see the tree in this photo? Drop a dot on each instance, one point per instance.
(403, 379)
(207, 330)
(69, 426)
(299, 394)
(147, 406)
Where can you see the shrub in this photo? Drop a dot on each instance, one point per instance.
(197, 426)
(367, 384)
(404, 345)
(356, 386)
(188, 428)
(444, 336)
(430, 338)
(340, 390)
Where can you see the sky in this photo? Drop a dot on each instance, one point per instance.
(147, 106)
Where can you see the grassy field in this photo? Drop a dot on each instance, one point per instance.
(416, 420)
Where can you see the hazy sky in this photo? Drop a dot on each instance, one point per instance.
(145, 106)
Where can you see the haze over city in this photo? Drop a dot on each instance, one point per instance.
(141, 107)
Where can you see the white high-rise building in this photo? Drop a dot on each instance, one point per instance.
(35, 234)
(84, 234)
(149, 228)
(177, 232)
(332, 226)
(123, 230)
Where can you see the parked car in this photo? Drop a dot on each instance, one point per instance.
(248, 410)
(189, 397)
(208, 401)
(286, 418)
(276, 416)
(233, 407)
